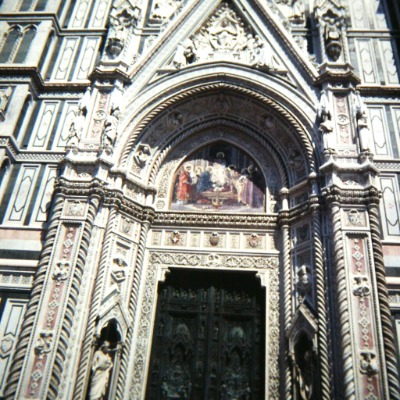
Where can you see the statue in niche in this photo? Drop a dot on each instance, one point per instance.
(304, 367)
(304, 280)
(78, 123)
(362, 124)
(122, 20)
(326, 124)
(76, 129)
(111, 128)
(101, 368)
(332, 35)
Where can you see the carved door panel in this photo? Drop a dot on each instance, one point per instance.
(208, 341)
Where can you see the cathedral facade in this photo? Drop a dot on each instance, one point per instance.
(200, 199)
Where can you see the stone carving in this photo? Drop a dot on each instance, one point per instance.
(204, 259)
(101, 368)
(75, 209)
(362, 124)
(78, 123)
(326, 124)
(332, 20)
(5, 95)
(298, 10)
(368, 363)
(361, 287)
(214, 238)
(141, 155)
(304, 280)
(44, 344)
(110, 131)
(61, 272)
(254, 240)
(225, 37)
(174, 120)
(175, 237)
(165, 9)
(123, 17)
(355, 218)
(118, 276)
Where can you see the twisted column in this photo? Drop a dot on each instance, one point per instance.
(137, 278)
(386, 323)
(67, 319)
(86, 354)
(342, 305)
(321, 308)
(17, 363)
(287, 306)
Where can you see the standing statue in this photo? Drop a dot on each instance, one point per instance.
(76, 128)
(101, 368)
(362, 124)
(326, 125)
(110, 128)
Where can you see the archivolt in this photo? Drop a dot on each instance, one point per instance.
(291, 120)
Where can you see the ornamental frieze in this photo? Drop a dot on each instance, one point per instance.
(214, 260)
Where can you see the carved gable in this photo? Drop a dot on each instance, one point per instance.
(225, 36)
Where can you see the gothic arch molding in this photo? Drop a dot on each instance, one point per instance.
(302, 126)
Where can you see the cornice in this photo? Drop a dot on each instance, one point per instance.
(31, 74)
(336, 195)
(215, 220)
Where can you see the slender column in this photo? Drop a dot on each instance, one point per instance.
(386, 323)
(287, 290)
(323, 350)
(122, 387)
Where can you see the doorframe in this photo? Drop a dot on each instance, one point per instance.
(156, 266)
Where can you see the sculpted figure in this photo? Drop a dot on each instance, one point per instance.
(110, 128)
(298, 11)
(264, 58)
(332, 37)
(4, 98)
(326, 125)
(101, 368)
(183, 52)
(76, 128)
(361, 117)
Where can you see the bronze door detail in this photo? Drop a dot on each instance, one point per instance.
(208, 340)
